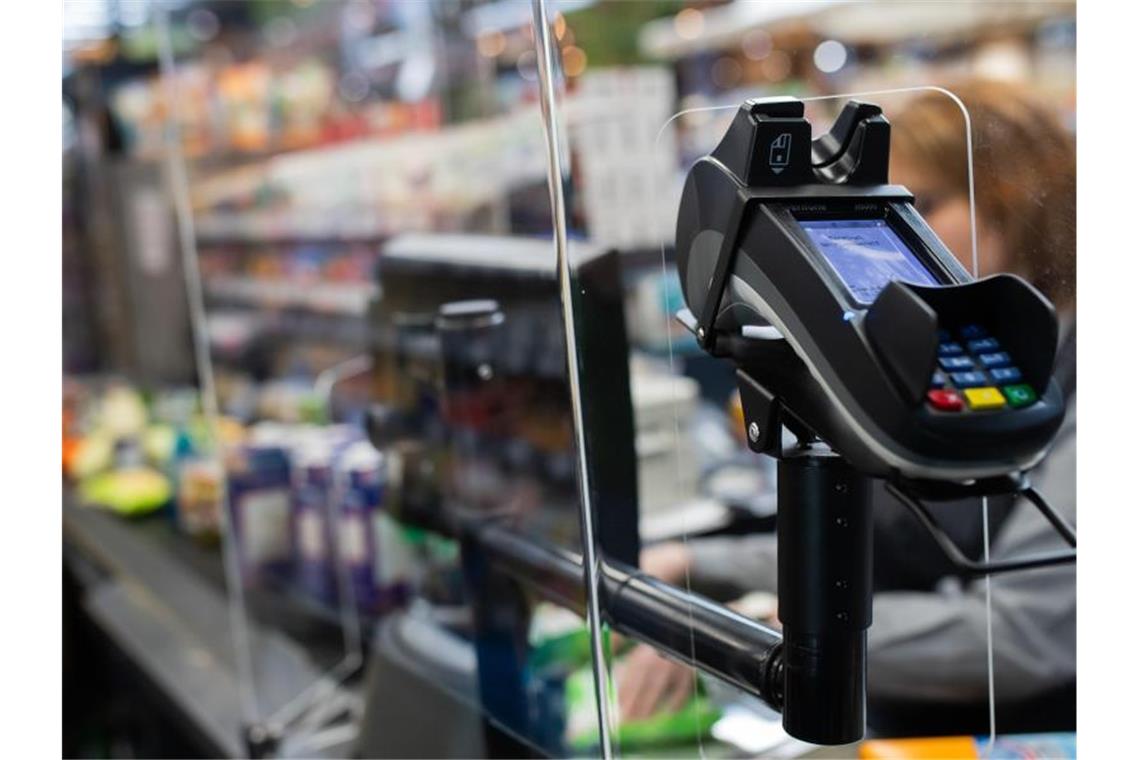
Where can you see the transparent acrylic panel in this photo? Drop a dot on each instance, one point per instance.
(281, 480)
(735, 561)
(636, 121)
(472, 414)
(367, 216)
(1024, 196)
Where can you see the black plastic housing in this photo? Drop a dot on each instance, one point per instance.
(824, 556)
(854, 374)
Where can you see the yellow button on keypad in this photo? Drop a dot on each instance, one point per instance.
(984, 398)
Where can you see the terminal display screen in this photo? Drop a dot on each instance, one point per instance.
(866, 254)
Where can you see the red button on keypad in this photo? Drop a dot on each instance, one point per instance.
(945, 401)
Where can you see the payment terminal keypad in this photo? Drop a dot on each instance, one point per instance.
(975, 374)
(1006, 374)
(953, 363)
(996, 359)
(971, 379)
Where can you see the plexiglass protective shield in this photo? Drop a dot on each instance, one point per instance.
(377, 322)
(507, 503)
(706, 504)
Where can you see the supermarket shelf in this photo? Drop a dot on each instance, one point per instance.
(233, 330)
(337, 187)
(270, 227)
(250, 242)
(854, 23)
(350, 299)
(725, 25)
(902, 21)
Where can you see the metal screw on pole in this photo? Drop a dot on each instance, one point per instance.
(753, 432)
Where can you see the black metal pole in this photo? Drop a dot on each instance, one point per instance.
(679, 623)
(816, 673)
(824, 557)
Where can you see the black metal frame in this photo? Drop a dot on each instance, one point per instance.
(971, 567)
(814, 672)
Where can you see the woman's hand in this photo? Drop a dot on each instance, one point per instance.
(648, 683)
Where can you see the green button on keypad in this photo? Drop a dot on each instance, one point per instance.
(1019, 395)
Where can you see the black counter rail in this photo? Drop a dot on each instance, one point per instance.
(682, 625)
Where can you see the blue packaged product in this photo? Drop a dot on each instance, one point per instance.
(360, 483)
(312, 491)
(257, 479)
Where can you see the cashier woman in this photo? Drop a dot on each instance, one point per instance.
(927, 665)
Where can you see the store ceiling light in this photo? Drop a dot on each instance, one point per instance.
(689, 23)
(830, 56)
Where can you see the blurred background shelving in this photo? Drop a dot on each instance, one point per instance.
(313, 132)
